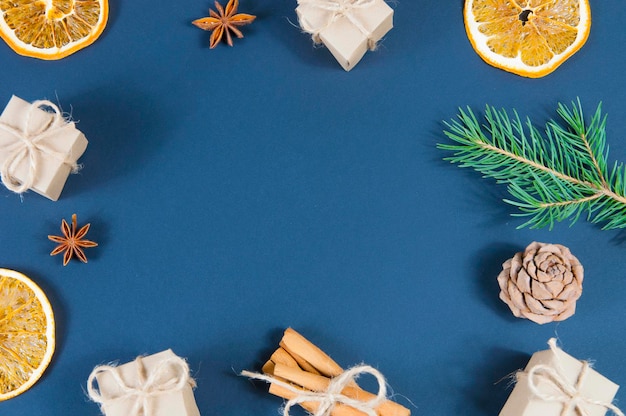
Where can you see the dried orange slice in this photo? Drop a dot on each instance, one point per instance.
(51, 29)
(530, 38)
(26, 333)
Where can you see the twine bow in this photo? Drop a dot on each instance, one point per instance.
(30, 145)
(146, 388)
(338, 9)
(332, 396)
(567, 394)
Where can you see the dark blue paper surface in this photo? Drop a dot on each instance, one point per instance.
(237, 191)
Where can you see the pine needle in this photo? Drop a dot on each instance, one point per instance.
(562, 173)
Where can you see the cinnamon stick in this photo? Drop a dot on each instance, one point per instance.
(268, 367)
(280, 356)
(317, 383)
(299, 347)
(311, 407)
(301, 362)
(309, 369)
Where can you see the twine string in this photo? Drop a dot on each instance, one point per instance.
(332, 396)
(338, 9)
(568, 394)
(147, 388)
(30, 145)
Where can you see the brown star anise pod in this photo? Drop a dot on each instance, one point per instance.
(224, 21)
(72, 241)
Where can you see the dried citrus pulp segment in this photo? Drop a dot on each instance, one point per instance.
(529, 38)
(51, 29)
(26, 333)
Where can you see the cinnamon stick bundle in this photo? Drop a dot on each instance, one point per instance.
(307, 368)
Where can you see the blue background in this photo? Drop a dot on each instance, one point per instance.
(237, 191)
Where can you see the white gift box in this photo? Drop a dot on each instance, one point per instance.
(557, 384)
(346, 27)
(155, 385)
(25, 128)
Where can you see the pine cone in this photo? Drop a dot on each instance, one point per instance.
(542, 284)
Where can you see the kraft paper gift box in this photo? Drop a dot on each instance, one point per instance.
(348, 28)
(557, 384)
(155, 385)
(57, 142)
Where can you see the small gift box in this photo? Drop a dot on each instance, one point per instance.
(557, 384)
(346, 27)
(156, 385)
(38, 149)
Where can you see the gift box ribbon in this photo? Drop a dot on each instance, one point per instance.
(337, 9)
(30, 145)
(332, 396)
(145, 389)
(567, 393)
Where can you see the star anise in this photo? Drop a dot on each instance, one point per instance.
(224, 21)
(72, 241)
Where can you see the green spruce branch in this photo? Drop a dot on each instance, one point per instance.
(560, 174)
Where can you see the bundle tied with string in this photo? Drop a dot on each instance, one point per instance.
(556, 384)
(348, 28)
(155, 385)
(38, 148)
(304, 375)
